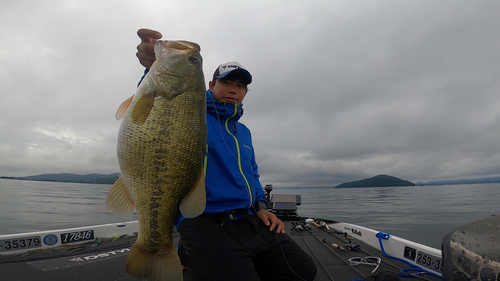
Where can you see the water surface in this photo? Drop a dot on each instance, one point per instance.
(420, 213)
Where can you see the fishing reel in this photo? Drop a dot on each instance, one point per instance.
(352, 247)
(302, 224)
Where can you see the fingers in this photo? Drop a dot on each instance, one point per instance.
(145, 50)
(146, 58)
(279, 225)
(271, 220)
(148, 35)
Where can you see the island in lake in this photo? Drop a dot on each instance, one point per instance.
(377, 181)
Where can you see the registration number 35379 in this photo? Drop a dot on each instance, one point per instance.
(20, 243)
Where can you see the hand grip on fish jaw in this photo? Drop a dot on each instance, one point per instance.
(164, 48)
(172, 48)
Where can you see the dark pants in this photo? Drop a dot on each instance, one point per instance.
(222, 250)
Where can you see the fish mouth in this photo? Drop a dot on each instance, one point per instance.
(172, 47)
(183, 45)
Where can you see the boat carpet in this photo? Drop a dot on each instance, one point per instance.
(104, 259)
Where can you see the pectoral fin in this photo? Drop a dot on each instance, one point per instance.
(194, 203)
(119, 200)
(142, 108)
(122, 110)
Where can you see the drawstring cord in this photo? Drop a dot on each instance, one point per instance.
(385, 236)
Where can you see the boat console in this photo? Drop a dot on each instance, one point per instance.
(283, 205)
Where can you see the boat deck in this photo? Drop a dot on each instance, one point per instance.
(104, 259)
(333, 263)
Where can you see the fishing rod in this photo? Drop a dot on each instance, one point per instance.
(298, 227)
(305, 225)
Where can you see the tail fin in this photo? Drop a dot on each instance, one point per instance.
(163, 265)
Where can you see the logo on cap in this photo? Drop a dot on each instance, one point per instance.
(226, 68)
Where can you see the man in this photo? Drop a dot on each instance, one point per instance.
(235, 238)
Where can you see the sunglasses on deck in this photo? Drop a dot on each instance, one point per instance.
(366, 260)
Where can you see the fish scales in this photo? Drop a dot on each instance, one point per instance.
(157, 168)
(161, 144)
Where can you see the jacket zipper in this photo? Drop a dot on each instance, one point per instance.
(239, 156)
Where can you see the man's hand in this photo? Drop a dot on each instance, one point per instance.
(270, 219)
(145, 50)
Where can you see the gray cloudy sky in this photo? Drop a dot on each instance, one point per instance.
(343, 90)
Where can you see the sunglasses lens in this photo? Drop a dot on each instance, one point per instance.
(355, 260)
(372, 259)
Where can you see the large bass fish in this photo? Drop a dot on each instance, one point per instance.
(161, 144)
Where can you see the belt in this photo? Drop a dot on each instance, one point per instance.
(239, 235)
(238, 213)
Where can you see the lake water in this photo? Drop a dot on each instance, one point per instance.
(423, 214)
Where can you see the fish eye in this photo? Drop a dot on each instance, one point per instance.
(193, 59)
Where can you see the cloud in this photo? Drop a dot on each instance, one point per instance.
(342, 90)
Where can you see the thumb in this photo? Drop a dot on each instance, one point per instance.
(148, 35)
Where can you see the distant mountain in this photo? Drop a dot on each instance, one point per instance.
(65, 177)
(461, 181)
(377, 181)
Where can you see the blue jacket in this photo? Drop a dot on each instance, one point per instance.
(231, 173)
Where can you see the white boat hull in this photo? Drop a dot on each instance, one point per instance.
(410, 252)
(41, 240)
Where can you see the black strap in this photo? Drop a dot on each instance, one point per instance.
(264, 232)
(228, 224)
(241, 236)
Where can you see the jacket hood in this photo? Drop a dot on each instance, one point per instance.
(223, 110)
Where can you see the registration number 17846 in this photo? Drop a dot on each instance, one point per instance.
(77, 236)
